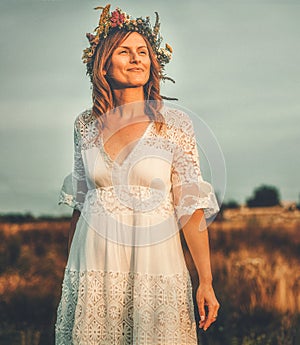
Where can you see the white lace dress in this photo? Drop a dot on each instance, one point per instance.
(126, 280)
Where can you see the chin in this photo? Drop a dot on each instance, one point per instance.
(138, 83)
(140, 80)
(130, 83)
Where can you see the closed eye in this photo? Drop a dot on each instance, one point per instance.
(126, 51)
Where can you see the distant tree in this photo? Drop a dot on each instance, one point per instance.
(17, 217)
(231, 204)
(264, 196)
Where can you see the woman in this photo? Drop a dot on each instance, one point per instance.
(136, 180)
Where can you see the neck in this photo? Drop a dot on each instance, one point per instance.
(130, 101)
(128, 95)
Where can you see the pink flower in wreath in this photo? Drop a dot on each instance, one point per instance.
(117, 18)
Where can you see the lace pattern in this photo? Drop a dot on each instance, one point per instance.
(114, 200)
(178, 144)
(190, 191)
(105, 308)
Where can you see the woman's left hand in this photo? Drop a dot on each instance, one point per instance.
(205, 296)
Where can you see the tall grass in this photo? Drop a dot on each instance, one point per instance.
(256, 278)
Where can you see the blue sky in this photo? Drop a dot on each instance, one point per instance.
(236, 65)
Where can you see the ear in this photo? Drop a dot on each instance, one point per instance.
(104, 72)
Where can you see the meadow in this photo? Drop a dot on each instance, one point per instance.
(255, 257)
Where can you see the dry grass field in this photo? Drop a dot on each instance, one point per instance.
(255, 260)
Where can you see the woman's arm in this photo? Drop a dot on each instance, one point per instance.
(198, 244)
(74, 219)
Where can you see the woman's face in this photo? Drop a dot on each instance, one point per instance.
(130, 63)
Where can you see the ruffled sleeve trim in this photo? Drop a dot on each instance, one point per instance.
(66, 195)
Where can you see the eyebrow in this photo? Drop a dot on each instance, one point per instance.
(129, 47)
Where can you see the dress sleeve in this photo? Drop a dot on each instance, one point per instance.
(74, 188)
(190, 191)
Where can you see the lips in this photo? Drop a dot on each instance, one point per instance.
(136, 69)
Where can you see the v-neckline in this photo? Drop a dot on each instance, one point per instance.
(114, 161)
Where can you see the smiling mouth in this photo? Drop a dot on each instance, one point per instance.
(135, 70)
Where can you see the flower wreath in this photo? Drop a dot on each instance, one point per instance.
(120, 19)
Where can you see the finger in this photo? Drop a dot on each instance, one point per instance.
(201, 312)
(212, 315)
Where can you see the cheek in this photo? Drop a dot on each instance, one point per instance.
(148, 64)
(117, 64)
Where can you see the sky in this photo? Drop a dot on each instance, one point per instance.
(236, 66)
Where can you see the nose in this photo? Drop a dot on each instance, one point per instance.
(134, 57)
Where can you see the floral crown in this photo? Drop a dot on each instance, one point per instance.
(121, 20)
